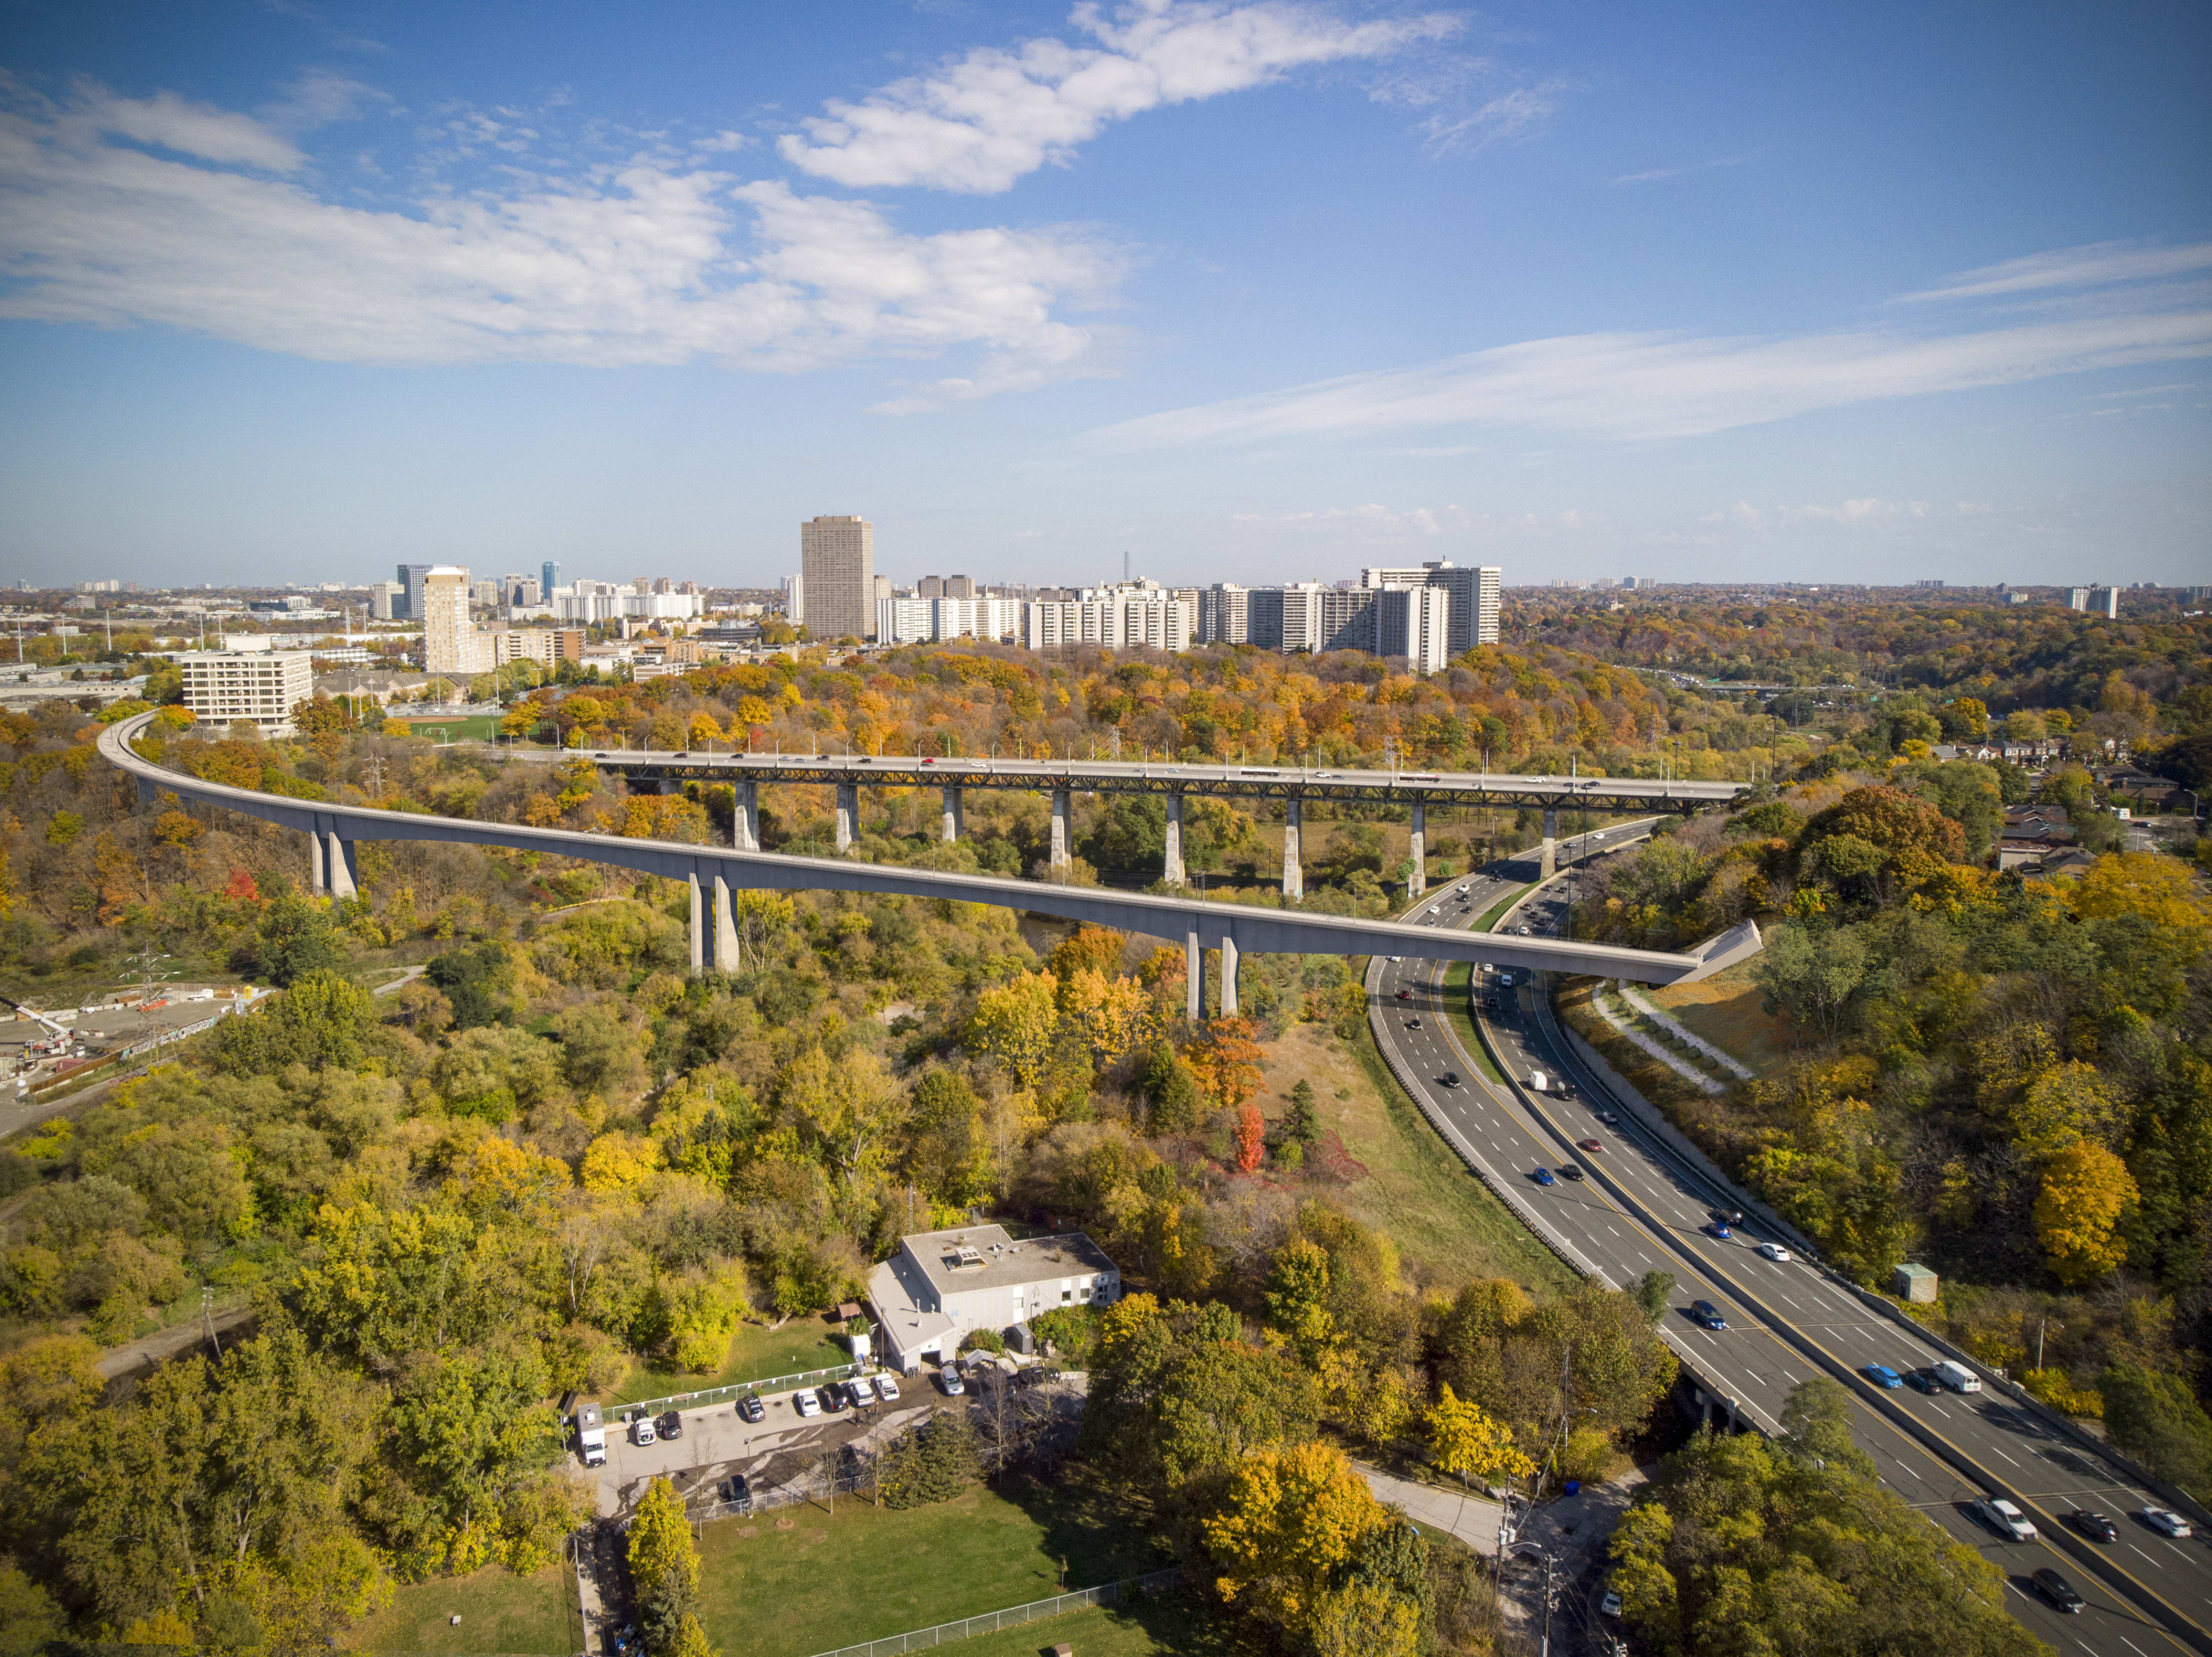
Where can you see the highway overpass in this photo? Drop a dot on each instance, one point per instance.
(713, 873)
(1290, 786)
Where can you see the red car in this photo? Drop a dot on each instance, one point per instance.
(1405, 995)
(1590, 1145)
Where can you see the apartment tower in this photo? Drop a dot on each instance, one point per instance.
(448, 642)
(837, 561)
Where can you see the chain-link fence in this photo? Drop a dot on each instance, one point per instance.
(1036, 1611)
(735, 1390)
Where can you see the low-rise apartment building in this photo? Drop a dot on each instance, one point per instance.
(942, 1285)
(259, 687)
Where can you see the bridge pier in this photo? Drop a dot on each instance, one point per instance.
(1228, 977)
(848, 814)
(1171, 874)
(1062, 802)
(343, 870)
(952, 816)
(1418, 882)
(1548, 864)
(1193, 966)
(147, 794)
(318, 878)
(1294, 874)
(744, 824)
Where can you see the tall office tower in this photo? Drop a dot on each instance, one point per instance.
(549, 577)
(410, 604)
(1224, 614)
(448, 641)
(958, 587)
(884, 589)
(1475, 596)
(837, 556)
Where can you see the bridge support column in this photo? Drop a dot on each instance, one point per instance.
(725, 935)
(1228, 977)
(1193, 966)
(318, 877)
(1062, 802)
(1547, 865)
(953, 820)
(1172, 871)
(1294, 873)
(147, 794)
(1418, 882)
(744, 824)
(848, 814)
(698, 928)
(343, 872)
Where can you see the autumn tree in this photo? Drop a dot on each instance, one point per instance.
(850, 1108)
(2085, 1190)
(1016, 1025)
(1463, 1439)
(1225, 1059)
(1251, 1137)
(664, 1564)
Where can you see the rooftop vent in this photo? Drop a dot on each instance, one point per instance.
(970, 1255)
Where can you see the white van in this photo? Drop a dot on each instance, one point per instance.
(590, 1435)
(1958, 1377)
(1539, 1080)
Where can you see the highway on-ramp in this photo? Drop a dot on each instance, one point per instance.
(1639, 1207)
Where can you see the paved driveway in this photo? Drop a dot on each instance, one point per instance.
(1471, 1518)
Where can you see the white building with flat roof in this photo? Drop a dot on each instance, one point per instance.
(222, 687)
(943, 1285)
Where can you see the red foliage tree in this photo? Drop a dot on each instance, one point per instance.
(1251, 1137)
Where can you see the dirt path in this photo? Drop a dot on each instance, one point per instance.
(149, 1350)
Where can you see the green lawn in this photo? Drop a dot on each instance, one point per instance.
(1170, 1624)
(1459, 992)
(866, 1572)
(1492, 915)
(474, 728)
(499, 1611)
(757, 1352)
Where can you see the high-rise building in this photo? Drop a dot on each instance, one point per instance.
(2105, 601)
(1285, 618)
(837, 556)
(387, 601)
(449, 644)
(1415, 623)
(1475, 596)
(549, 577)
(1127, 616)
(2077, 598)
(795, 599)
(409, 605)
(1224, 614)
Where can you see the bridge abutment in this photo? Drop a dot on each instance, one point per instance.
(1294, 873)
(1171, 874)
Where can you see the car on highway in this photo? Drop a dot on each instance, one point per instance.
(1449, 1078)
(949, 1378)
(1587, 1144)
(1924, 1379)
(1405, 995)
(806, 1403)
(1522, 931)
(670, 1425)
(1720, 1229)
(2166, 1521)
(1414, 1023)
(1706, 1313)
(640, 1430)
(1569, 1171)
(1543, 1177)
(2056, 1589)
(2007, 1520)
(1883, 1376)
(1609, 1118)
(2095, 1525)
(1774, 1252)
(888, 1385)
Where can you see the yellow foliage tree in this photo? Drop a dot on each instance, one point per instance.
(616, 1164)
(703, 729)
(1015, 1023)
(1111, 1014)
(1463, 1439)
(2066, 1103)
(2085, 1190)
(1291, 1521)
(2159, 888)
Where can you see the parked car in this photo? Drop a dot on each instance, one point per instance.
(888, 1385)
(670, 1425)
(737, 1492)
(1570, 1171)
(2007, 1520)
(1543, 1177)
(807, 1405)
(1709, 1314)
(861, 1390)
(752, 1408)
(954, 1386)
(640, 1430)
(1924, 1379)
(1883, 1376)
(2096, 1527)
(1774, 1252)
(2166, 1521)
(2056, 1589)
(834, 1399)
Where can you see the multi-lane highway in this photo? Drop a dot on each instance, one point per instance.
(1639, 1207)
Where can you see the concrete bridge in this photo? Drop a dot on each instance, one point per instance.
(714, 872)
(1291, 785)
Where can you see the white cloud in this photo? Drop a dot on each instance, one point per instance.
(1866, 510)
(320, 97)
(1633, 387)
(2099, 264)
(979, 123)
(1510, 115)
(1373, 518)
(645, 261)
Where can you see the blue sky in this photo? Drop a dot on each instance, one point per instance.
(1252, 292)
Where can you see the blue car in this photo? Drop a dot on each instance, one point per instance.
(1706, 1313)
(1882, 1375)
(1719, 1229)
(1543, 1177)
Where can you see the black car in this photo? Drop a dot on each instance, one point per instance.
(737, 1492)
(1569, 1171)
(1706, 1313)
(1923, 1380)
(1412, 1024)
(1451, 1078)
(833, 1398)
(2096, 1527)
(2056, 1589)
(752, 1408)
(670, 1425)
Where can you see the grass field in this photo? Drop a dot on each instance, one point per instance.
(1726, 1010)
(863, 1572)
(757, 1352)
(1408, 1184)
(499, 1612)
(1492, 915)
(1149, 1630)
(474, 728)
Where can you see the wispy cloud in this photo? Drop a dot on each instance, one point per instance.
(979, 123)
(1630, 386)
(1659, 173)
(2097, 266)
(647, 261)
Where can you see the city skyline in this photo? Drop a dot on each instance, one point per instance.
(1233, 287)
